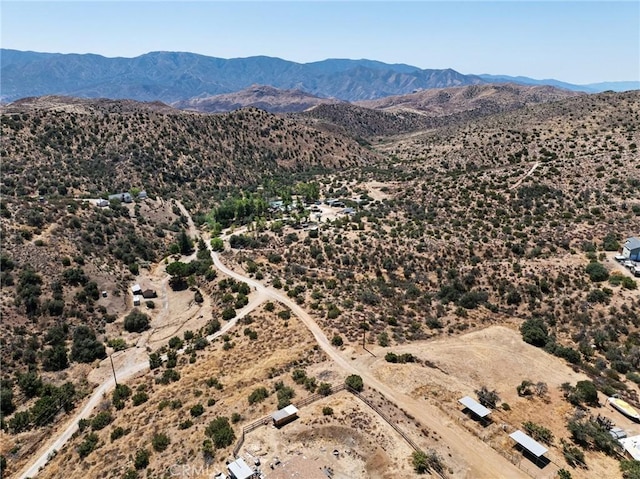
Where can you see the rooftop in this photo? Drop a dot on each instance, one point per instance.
(290, 410)
(534, 447)
(474, 406)
(632, 243)
(239, 469)
(632, 446)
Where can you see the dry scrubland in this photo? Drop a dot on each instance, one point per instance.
(456, 244)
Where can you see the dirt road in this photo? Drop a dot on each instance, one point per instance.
(525, 176)
(480, 459)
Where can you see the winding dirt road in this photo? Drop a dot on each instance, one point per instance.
(482, 462)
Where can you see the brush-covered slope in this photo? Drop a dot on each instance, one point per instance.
(273, 100)
(56, 145)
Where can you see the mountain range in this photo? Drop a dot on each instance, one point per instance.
(173, 77)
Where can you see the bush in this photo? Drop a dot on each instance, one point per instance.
(337, 340)
(136, 321)
(258, 394)
(117, 433)
(327, 411)
(141, 460)
(88, 445)
(197, 410)
(160, 442)
(220, 432)
(354, 382)
(86, 348)
(101, 420)
(597, 272)
(228, 314)
(140, 398)
(534, 331)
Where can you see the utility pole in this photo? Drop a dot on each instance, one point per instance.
(114, 371)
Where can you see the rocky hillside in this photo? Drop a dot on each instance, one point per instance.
(431, 108)
(62, 146)
(273, 100)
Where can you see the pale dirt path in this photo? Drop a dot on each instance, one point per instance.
(128, 364)
(525, 176)
(481, 459)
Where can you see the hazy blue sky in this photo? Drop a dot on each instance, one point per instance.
(578, 42)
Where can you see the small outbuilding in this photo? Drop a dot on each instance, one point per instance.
(284, 415)
(477, 409)
(102, 203)
(136, 289)
(239, 469)
(531, 446)
(631, 249)
(149, 293)
(136, 300)
(124, 197)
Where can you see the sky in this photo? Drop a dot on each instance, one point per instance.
(578, 42)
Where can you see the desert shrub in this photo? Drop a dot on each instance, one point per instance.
(337, 340)
(86, 348)
(88, 445)
(258, 395)
(197, 410)
(160, 441)
(354, 382)
(101, 420)
(327, 411)
(140, 397)
(534, 331)
(597, 272)
(141, 460)
(486, 397)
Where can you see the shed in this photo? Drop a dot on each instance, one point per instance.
(136, 289)
(529, 444)
(142, 195)
(631, 249)
(475, 407)
(239, 469)
(102, 203)
(149, 293)
(136, 299)
(284, 415)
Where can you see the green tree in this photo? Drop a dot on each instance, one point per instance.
(217, 244)
(354, 382)
(136, 321)
(220, 432)
(534, 331)
(185, 244)
(86, 348)
(597, 272)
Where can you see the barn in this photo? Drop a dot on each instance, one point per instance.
(631, 249)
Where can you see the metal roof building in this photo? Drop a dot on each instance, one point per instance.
(475, 407)
(285, 415)
(239, 469)
(534, 447)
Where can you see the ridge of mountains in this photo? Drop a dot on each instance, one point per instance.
(173, 77)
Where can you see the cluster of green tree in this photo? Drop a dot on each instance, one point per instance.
(284, 393)
(184, 274)
(534, 331)
(239, 210)
(392, 357)
(51, 400)
(220, 432)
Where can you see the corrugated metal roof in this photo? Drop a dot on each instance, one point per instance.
(283, 413)
(239, 469)
(632, 243)
(534, 447)
(475, 406)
